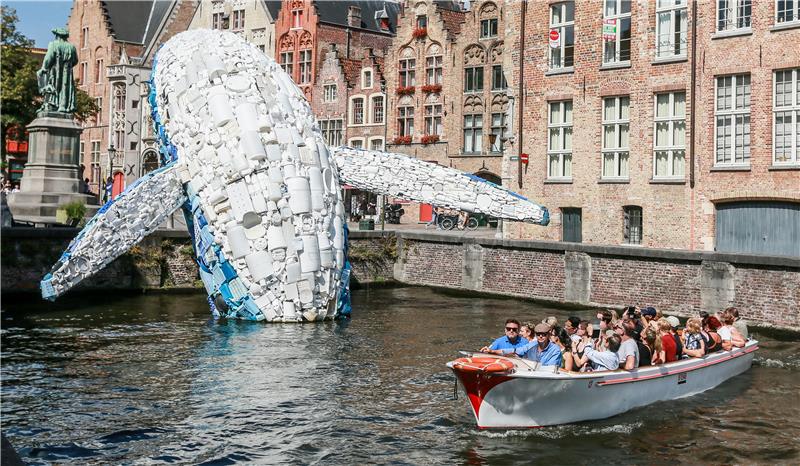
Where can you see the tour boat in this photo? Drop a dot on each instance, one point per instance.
(514, 393)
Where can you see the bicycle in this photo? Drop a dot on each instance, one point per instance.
(449, 222)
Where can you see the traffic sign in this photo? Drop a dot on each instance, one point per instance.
(524, 158)
(555, 38)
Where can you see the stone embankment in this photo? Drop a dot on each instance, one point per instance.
(765, 289)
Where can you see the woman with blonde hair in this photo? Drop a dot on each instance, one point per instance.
(653, 343)
(526, 331)
(693, 344)
(670, 350)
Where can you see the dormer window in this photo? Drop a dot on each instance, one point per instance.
(422, 22)
(384, 24)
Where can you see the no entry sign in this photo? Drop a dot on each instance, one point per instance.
(523, 158)
(555, 38)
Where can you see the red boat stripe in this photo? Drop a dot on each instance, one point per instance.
(477, 384)
(679, 371)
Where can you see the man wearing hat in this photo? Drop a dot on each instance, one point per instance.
(55, 76)
(540, 349)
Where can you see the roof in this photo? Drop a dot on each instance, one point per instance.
(452, 19)
(273, 7)
(135, 21)
(351, 69)
(335, 12)
(450, 5)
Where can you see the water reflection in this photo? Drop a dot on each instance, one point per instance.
(151, 378)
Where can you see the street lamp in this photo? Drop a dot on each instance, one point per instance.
(112, 154)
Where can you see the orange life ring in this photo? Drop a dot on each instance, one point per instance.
(483, 364)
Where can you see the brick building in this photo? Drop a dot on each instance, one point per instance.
(658, 125)
(253, 20)
(116, 43)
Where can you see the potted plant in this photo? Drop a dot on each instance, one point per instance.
(420, 33)
(430, 139)
(402, 140)
(432, 88)
(405, 90)
(71, 214)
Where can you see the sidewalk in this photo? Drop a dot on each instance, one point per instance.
(480, 232)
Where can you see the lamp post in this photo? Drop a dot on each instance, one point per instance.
(503, 139)
(112, 154)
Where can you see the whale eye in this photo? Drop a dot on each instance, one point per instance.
(251, 219)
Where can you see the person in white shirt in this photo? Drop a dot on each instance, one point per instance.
(602, 360)
(731, 338)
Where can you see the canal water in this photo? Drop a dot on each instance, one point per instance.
(151, 379)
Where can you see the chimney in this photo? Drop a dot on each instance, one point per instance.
(354, 16)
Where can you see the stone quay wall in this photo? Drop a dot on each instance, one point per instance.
(766, 290)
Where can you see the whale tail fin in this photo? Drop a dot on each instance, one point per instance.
(119, 224)
(405, 177)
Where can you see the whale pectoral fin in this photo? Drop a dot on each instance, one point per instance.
(405, 177)
(118, 225)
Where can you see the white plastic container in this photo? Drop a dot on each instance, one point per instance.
(293, 271)
(289, 313)
(317, 189)
(338, 233)
(214, 65)
(299, 194)
(275, 238)
(260, 265)
(237, 240)
(220, 107)
(252, 145)
(326, 257)
(274, 153)
(309, 256)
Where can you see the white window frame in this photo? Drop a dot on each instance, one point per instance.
(238, 20)
(675, 123)
(288, 66)
(372, 142)
(405, 121)
(329, 92)
(332, 131)
(433, 69)
(84, 73)
(433, 119)
(498, 128)
(619, 17)
(735, 19)
(305, 67)
(352, 143)
(297, 19)
(473, 133)
(560, 51)
(794, 12)
(407, 68)
(562, 153)
(793, 111)
(372, 114)
(84, 37)
(619, 152)
(677, 12)
(366, 78)
(734, 113)
(364, 109)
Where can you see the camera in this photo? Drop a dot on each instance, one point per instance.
(631, 312)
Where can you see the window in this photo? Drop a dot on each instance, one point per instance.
(95, 154)
(670, 28)
(498, 78)
(571, 224)
(377, 109)
(98, 70)
(407, 67)
(305, 66)
(433, 70)
(297, 19)
(366, 79)
(331, 132)
(733, 14)
(473, 134)
(732, 113)
(670, 135)
(559, 146)
(357, 115)
(329, 92)
(98, 117)
(632, 230)
(787, 11)
(287, 62)
(422, 22)
(84, 37)
(498, 128)
(238, 20)
(616, 123)
(405, 121)
(617, 31)
(786, 115)
(84, 71)
(473, 79)
(562, 19)
(357, 143)
(81, 151)
(488, 28)
(376, 144)
(218, 21)
(433, 120)
(119, 140)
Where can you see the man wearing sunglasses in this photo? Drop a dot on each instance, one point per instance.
(540, 349)
(510, 341)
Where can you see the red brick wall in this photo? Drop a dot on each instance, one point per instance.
(433, 264)
(524, 273)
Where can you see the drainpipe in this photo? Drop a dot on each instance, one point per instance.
(521, 90)
(693, 87)
(347, 49)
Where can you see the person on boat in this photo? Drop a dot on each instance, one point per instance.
(712, 339)
(606, 360)
(511, 340)
(571, 326)
(552, 321)
(648, 316)
(526, 331)
(628, 352)
(559, 337)
(650, 351)
(584, 337)
(606, 323)
(693, 344)
(670, 349)
(739, 323)
(731, 338)
(674, 323)
(540, 349)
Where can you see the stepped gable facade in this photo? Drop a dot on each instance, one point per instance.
(253, 20)
(307, 30)
(665, 126)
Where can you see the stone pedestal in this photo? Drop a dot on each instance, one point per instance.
(52, 175)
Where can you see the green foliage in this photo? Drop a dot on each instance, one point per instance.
(76, 210)
(85, 105)
(20, 93)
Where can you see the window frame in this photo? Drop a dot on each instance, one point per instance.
(473, 133)
(305, 67)
(332, 131)
(352, 141)
(365, 73)
(471, 74)
(492, 26)
(288, 66)
(563, 154)
(795, 12)
(562, 29)
(330, 92)
(618, 152)
(676, 13)
(794, 110)
(372, 142)
(503, 83)
(406, 70)
(733, 113)
(84, 37)
(671, 119)
(619, 17)
(374, 109)
(354, 114)
(405, 121)
(434, 69)
(499, 130)
(433, 119)
(734, 23)
(629, 213)
(297, 19)
(238, 20)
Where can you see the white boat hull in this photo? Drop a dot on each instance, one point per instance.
(531, 396)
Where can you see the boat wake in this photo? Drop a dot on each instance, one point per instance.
(777, 363)
(564, 431)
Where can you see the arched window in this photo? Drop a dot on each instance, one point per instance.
(306, 45)
(286, 58)
(149, 162)
(118, 115)
(489, 20)
(433, 65)
(474, 59)
(407, 68)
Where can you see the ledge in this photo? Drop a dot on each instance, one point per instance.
(733, 168)
(558, 181)
(785, 26)
(733, 33)
(69, 233)
(615, 66)
(666, 61)
(668, 181)
(556, 72)
(778, 168)
(478, 154)
(614, 181)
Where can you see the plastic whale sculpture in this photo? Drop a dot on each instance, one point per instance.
(243, 156)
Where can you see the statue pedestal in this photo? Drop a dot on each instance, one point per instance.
(52, 175)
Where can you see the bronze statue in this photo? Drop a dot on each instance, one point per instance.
(55, 76)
